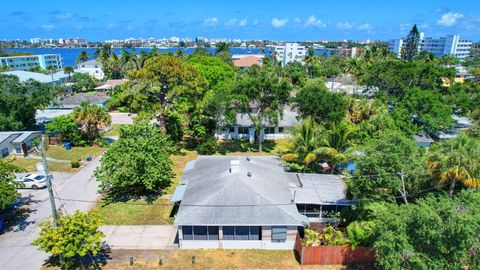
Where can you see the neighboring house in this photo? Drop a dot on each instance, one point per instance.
(44, 117)
(243, 129)
(17, 142)
(57, 78)
(461, 123)
(76, 100)
(110, 85)
(93, 68)
(244, 61)
(423, 140)
(26, 62)
(251, 202)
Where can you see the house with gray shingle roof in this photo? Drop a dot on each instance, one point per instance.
(249, 202)
(17, 142)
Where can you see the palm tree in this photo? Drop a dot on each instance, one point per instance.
(335, 144)
(68, 70)
(222, 47)
(82, 57)
(305, 143)
(455, 160)
(91, 118)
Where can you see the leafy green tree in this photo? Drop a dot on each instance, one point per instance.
(411, 46)
(316, 101)
(83, 82)
(455, 161)
(296, 72)
(434, 233)
(91, 118)
(201, 51)
(222, 50)
(382, 164)
(268, 94)
(66, 126)
(8, 192)
(136, 165)
(20, 100)
(164, 82)
(74, 237)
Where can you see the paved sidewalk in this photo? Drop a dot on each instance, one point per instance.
(140, 236)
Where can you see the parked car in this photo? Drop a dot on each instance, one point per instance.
(33, 181)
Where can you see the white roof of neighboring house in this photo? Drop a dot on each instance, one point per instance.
(110, 84)
(24, 76)
(17, 136)
(90, 63)
(42, 115)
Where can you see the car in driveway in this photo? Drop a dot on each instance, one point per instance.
(33, 181)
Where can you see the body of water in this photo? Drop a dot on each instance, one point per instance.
(70, 55)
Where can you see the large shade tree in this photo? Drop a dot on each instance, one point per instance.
(261, 96)
(137, 164)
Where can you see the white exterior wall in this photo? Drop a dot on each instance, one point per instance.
(6, 144)
(265, 243)
(227, 135)
(290, 52)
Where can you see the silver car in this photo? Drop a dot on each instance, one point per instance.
(33, 181)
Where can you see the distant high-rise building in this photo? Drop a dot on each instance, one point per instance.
(26, 62)
(449, 45)
(35, 40)
(290, 52)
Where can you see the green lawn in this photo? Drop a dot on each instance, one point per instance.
(29, 165)
(115, 131)
(179, 162)
(76, 153)
(136, 212)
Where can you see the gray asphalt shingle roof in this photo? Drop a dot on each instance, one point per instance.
(215, 196)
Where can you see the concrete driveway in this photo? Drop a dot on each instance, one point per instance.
(122, 118)
(141, 236)
(16, 251)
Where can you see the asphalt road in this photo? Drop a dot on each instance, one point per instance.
(16, 251)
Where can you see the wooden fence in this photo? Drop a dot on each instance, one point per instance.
(333, 254)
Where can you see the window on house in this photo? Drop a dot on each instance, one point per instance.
(18, 148)
(270, 130)
(281, 129)
(241, 233)
(187, 232)
(243, 130)
(212, 232)
(279, 234)
(231, 130)
(200, 232)
(5, 152)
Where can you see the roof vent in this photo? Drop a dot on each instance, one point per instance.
(248, 158)
(249, 174)
(299, 181)
(234, 166)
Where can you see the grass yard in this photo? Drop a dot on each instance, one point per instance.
(179, 162)
(30, 165)
(76, 153)
(211, 259)
(136, 212)
(115, 131)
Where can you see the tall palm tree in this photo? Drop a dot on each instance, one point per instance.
(455, 160)
(91, 118)
(68, 70)
(82, 57)
(335, 144)
(305, 143)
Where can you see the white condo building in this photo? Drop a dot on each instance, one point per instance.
(290, 52)
(449, 45)
(26, 62)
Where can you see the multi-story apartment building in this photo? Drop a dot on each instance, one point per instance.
(290, 52)
(449, 45)
(26, 62)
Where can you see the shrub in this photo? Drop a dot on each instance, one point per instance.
(360, 233)
(75, 164)
(208, 147)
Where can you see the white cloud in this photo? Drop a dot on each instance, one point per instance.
(312, 21)
(48, 27)
(344, 25)
(231, 22)
(279, 22)
(112, 25)
(255, 22)
(212, 21)
(364, 26)
(449, 19)
(297, 20)
(243, 22)
(63, 16)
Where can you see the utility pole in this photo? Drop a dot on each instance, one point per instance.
(49, 181)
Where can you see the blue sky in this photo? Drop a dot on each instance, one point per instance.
(278, 19)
